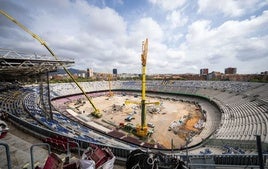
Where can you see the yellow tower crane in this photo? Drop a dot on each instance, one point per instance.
(142, 130)
(96, 112)
(110, 77)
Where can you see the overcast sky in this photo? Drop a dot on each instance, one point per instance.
(184, 35)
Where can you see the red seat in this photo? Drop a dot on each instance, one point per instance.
(53, 162)
(70, 166)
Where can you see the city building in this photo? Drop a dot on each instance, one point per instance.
(115, 72)
(264, 73)
(214, 76)
(83, 75)
(204, 71)
(230, 70)
(89, 72)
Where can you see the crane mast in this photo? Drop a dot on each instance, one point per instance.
(110, 85)
(142, 130)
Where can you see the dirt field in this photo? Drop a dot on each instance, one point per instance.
(172, 120)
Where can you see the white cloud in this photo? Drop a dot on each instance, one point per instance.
(176, 19)
(168, 4)
(249, 48)
(236, 41)
(232, 8)
(146, 28)
(180, 40)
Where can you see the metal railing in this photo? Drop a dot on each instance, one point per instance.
(38, 145)
(7, 154)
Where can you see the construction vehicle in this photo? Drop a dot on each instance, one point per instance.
(129, 118)
(142, 130)
(96, 113)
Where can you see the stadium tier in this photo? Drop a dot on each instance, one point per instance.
(236, 112)
(243, 112)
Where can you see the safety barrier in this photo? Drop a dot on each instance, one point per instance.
(7, 154)
(38, 145)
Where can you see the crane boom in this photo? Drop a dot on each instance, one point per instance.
(38, 38)
(144, 52)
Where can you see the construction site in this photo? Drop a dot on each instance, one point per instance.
(175, 125)
(169, 123)
(158, 122)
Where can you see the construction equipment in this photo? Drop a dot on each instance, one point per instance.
(110, 76)
(142, 130)
(96, 112)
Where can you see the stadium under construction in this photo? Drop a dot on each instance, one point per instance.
(183, 124)
(233, 133)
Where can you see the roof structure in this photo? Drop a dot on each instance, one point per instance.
(15, 65)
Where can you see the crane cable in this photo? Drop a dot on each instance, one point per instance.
(35, 36)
